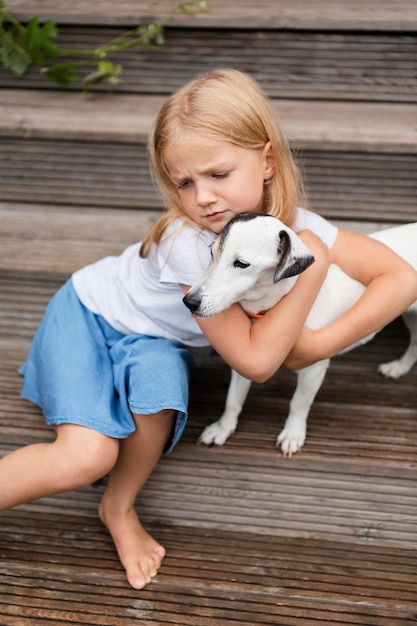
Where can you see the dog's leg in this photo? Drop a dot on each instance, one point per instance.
(218, 432)
(401, 366)
(309, 380)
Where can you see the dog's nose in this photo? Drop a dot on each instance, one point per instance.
(192, 302)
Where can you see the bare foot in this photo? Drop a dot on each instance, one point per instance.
(139, 553)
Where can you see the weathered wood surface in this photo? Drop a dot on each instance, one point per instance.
(327, 537)
(340, 185)
(127, 119)
(252, 538)
(307, 65)
(55, 241)
(210, 578)
(295, 14)
(357, 161)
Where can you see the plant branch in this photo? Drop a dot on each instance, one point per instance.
(34, 44)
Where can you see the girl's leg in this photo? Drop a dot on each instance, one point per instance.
(139, 553)
(77, 457)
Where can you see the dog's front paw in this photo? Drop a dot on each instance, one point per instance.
(215, 434)
(291, 439)
(393, 369)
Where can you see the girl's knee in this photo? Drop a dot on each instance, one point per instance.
(101, 455)
(88, 455)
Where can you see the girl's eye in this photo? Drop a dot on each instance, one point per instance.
(221, 175)
(184, 184)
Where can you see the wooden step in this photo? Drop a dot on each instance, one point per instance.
(252, 538)
(348, 51)
(126, 119)
(292, 14)
(61, 148)
(309, 65)
(59, 569)
(59, 239)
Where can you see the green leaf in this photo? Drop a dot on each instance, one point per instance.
(39, 40)
(34, 44)
(50, 32)
(2, 6)
(12, 55)
(60, 74)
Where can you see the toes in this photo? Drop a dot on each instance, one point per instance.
(140, 576)
(139, 580)
(137, 583)
(154, 564)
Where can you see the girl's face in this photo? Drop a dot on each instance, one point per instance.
(217, 181)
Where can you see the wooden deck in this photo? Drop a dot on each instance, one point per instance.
(327, 537)
(252, 538)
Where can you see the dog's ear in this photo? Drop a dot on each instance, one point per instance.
(295, 257)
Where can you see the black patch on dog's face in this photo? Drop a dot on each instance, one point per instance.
(218, 242)
(243, 217)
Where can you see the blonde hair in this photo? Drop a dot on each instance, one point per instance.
(224, 105)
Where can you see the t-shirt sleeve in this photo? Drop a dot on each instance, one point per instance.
(317, 224)
(184, 255)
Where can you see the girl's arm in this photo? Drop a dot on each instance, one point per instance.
(391, 286)
(257, 350)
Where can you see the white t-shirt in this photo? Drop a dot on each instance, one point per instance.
(144, 296)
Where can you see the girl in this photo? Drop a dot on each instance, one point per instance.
(109, 363)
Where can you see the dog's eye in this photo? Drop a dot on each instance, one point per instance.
(241, 264)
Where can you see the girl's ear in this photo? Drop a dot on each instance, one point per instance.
(269, 162)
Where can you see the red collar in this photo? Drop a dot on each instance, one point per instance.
(256, 316)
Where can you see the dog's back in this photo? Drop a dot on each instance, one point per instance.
(401, 239)
(340, 292)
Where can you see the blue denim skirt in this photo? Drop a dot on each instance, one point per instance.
(80, 370)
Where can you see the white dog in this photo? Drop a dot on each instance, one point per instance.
(255, 261)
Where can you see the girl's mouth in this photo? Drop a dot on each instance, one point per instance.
(215, 215)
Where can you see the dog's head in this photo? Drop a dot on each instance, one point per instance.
(250, 255)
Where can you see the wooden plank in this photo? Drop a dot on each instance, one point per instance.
(288, 64)
(59, 240)
(213, 577)
(32, 114)
(296, 14)
(370, 186)
(58, 115)
(77, 224)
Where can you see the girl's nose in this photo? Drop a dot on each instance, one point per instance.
(205, 195)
